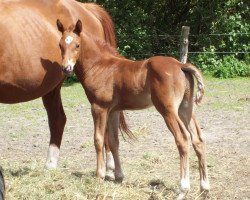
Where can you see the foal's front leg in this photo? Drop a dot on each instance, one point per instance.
(113, 126)
(100, 120)
(110, 164)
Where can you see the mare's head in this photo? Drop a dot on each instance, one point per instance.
(70, 46)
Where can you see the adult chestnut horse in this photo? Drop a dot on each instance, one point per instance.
(29, 55)
(2, 185)
(113, 83)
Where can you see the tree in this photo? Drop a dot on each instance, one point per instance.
(148, 27)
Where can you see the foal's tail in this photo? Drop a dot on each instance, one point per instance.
(195, 72)
(123, 126)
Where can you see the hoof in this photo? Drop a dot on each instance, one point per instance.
(100, 175)
(50, 165)
(110, 176)
(204, 193)
(119, 178)
(182, 195)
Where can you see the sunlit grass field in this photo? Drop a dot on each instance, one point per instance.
(151, 164)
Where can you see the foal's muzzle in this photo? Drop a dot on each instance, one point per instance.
(68, 70)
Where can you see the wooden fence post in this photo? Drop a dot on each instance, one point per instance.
(184, 44)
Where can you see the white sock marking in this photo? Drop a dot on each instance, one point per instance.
(185, 184)
(110, 164)
(205, 185)
(52, 157)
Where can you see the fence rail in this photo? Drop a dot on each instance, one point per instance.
(191, 52)
(193, 35)
(175, 41)
(218, 52)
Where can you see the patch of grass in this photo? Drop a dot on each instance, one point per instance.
(73, 94)
(151, 172)
(227, 94)
(36, 183)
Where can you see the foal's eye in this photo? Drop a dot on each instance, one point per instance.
(77, 45)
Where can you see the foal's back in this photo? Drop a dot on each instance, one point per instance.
(135, 79)
(132, 84)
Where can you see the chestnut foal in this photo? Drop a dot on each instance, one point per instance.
(113, 83)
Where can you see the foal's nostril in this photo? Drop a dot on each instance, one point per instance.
(69, 68)
(68, 71)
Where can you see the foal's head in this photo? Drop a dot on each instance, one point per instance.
(70, 46)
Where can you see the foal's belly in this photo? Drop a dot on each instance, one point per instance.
(136, 102)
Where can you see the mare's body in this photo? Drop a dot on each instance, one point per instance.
(30, 55)
(113, 83)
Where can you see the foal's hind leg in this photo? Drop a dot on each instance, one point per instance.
(167, 99)
(198, 141)
(181, 136)
(113, 126)
(57, 119)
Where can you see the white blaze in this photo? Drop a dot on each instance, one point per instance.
(68, 39)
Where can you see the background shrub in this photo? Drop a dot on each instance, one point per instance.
(146, 28)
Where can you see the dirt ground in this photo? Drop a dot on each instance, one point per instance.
(223, 116)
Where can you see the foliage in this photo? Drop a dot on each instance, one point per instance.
(230, 67)
(146, 28)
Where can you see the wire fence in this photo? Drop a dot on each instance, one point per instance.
(164, 44)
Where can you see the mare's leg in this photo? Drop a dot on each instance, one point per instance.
(113, 126)
(100, 120)
(57, 119)
(2, 185)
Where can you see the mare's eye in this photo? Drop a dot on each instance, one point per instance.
(77, 45)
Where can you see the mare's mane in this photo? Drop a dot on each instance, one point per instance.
(105, 19)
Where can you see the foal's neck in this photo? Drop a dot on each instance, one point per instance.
(94, 50)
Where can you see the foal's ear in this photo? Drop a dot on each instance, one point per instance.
(59, 26)
(78, 27)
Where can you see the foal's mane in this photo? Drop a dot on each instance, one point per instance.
(105, 46)
(102, 44)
